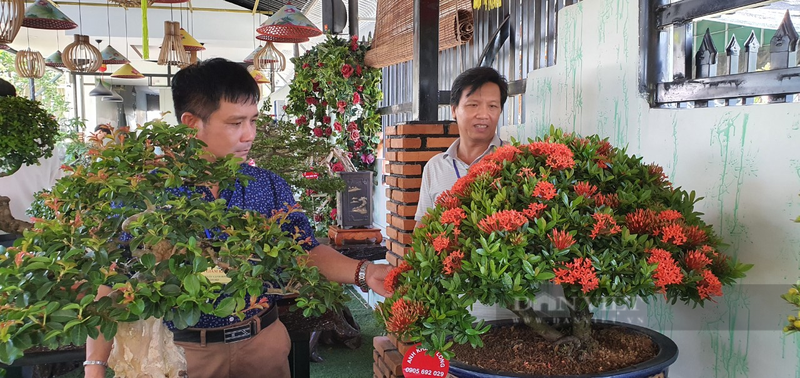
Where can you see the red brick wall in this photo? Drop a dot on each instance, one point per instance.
(408, 148)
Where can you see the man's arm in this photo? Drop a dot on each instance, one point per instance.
(340, 268)
(98, 349)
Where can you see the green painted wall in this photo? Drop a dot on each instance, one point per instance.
(744, 161)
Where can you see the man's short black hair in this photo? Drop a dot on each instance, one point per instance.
(475, 78)
(6, 89)
(200, 87)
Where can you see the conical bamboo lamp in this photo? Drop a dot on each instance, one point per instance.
(54, 60)
(127, 72)
(44, 15)
(172, 51)
(110, 55)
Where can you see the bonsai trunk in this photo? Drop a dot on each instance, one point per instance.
(7, 221)
(579, 344)
(145, 349)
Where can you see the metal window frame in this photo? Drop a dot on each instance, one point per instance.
(657, 18)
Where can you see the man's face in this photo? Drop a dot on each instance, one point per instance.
(477, 113)
(229, 130)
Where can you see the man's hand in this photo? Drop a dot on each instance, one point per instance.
(376, 273)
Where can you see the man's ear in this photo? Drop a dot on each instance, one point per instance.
(192, 121)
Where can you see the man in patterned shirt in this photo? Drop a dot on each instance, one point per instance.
(219, 99)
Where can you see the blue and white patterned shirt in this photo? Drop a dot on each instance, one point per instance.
(266, 192)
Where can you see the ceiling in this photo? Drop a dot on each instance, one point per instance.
(226, 29)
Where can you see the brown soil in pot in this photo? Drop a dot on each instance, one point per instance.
(519, 350)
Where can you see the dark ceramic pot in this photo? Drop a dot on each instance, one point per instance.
(658, 367)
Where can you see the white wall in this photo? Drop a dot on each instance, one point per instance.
(744, 161)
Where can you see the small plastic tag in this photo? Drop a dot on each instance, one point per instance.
(216, 275)
(418, 364)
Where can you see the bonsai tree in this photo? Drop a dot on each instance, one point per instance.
(131, 220)
(564, 209)
(334, 99)
(298, 157)
(27, 133)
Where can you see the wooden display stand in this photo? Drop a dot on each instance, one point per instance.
(354, 235)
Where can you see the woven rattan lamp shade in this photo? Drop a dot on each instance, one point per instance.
(289, 22)
(81, 56)
(269, 59)
(12, 12)
(172, 51)
(394, 30)
(29, 64)
(280, 39)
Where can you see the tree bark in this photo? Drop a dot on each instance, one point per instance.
(7, 221)
(535, 322)
(145, 349)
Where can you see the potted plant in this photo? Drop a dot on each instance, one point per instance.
(27, 133)
(334, 99)
(130, 220)
(562, 209)
(793, 297)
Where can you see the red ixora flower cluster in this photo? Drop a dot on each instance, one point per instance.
(453, 216)
(559, 156)
(579, 272)
(505, 220)
(441, 243)
(452, 263)
(604, 225)
(390, 282)
(667, 271)
(404, 314)
(561, 239)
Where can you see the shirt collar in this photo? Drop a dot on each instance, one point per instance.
(453, 149)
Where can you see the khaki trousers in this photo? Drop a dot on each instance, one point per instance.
(264, 356)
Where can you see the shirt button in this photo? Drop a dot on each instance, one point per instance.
(230, 319)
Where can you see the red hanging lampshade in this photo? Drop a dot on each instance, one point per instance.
(289, 22)
(280, 39)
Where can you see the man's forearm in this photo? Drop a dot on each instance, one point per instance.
(98, 349)
(332, 264)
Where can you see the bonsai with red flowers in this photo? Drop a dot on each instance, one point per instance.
(562, 209)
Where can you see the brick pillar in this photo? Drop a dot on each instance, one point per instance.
(408, 149)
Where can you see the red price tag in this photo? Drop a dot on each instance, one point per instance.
(311, 175)
(418, 364)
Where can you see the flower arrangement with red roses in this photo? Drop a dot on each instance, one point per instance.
(335, 97)
(563, 209)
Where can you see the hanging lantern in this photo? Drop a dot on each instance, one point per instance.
(44, 15)
(172, 51)
(289, 22)
(280, 39)
(110, 55)
(12, 12)
(115, 97)
(54, 60)
(29, 64)
(259, 77)
(269, 59)
(100, 89)
(81, 56)
(170, 1)
(249, 57)
(189, 43)
(127, 72)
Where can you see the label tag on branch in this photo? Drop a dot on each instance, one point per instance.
(311, 175)
(418, 364)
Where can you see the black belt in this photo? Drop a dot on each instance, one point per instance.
(236, 332)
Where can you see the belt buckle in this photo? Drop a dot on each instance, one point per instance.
(240, 333)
